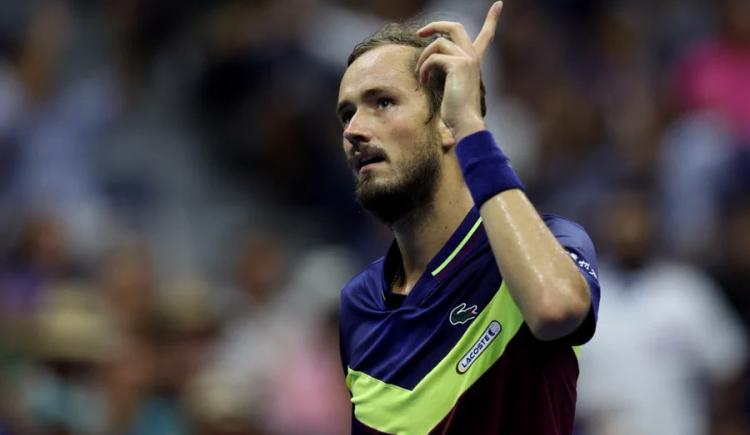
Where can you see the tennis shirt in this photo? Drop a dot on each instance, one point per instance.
(455, 356)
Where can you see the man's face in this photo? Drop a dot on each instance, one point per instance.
(391, 147)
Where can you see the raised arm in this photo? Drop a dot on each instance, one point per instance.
(546, 285)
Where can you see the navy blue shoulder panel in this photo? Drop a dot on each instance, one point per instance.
(577, 242)
(358, 298)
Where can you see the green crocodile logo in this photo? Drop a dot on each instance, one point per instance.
(461, 314)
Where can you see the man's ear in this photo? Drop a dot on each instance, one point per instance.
(446, 136)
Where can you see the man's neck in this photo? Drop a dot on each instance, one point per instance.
(421, 235)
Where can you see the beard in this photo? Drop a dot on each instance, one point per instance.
(412, 191)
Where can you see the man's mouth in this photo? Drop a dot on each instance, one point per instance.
(368, 158)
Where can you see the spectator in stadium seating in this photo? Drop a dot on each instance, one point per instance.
(667, 342)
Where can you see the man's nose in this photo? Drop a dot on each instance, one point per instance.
(356, 132)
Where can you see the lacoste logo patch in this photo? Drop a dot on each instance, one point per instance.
(461, 314)
(488, 336)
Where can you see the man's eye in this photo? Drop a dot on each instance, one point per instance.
(385, 102)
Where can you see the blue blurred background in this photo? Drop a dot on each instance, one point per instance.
(177, 217)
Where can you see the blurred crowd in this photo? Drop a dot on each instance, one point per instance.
(177, 215)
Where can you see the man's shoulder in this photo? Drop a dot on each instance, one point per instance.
(561, 224)
(570, 234)
(363, 283)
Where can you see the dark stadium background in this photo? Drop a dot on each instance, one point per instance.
(177, 218)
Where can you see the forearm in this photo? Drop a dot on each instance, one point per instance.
(546, 285)
(544, 282)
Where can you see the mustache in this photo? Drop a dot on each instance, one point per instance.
(365, 152)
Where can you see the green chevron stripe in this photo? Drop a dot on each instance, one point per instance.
(458, 248)
(396, 410)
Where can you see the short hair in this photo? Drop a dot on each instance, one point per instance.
(406, 34)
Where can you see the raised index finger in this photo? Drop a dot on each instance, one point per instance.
(488, 28)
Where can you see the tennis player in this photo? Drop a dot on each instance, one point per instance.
(470, 323)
